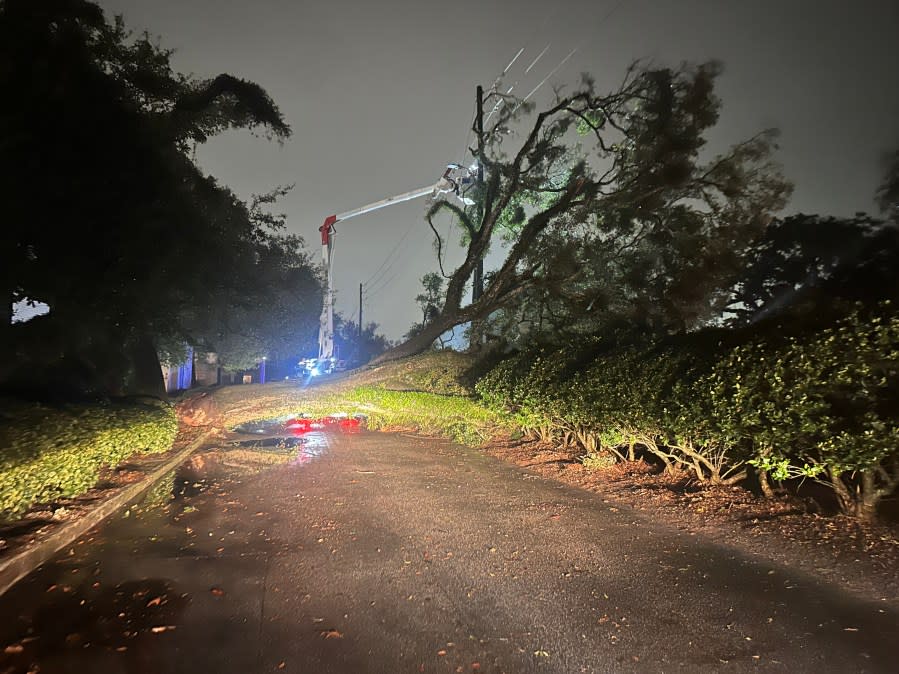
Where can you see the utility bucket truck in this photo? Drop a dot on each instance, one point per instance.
(455, 181)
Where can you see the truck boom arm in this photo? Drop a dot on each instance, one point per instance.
(449, 183)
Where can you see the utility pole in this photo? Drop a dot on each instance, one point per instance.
(477, 288)
(360, 311)
(476, 337)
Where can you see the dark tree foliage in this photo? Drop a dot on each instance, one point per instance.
(105, 216)
(429, 301)
(801, 254)
(274, 314)
(355, 349)
(265, 308)
(819, 269)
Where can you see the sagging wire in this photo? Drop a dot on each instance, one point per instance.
(381, 285)
(499, 103)
(380, 271)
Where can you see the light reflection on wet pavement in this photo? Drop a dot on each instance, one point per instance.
(107, 600)
(308, 435)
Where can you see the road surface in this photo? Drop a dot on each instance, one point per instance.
(391, 553)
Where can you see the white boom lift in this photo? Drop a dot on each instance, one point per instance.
(453, 181)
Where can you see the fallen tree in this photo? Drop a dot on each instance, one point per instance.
(577, 221)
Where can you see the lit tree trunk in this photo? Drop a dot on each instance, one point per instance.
(764, 483)
(418, 343)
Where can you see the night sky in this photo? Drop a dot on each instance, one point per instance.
(380, 95)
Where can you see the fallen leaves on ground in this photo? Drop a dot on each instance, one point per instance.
(789, 528)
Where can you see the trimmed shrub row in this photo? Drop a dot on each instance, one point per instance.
(47, 453)
(823, 405)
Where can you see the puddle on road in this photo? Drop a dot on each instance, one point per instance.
(299, 425)
(309, 435)
(295, 440)
(262, 427)
(276, 442)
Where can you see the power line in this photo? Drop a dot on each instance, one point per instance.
(500, 100)
(551, 73)
(380, 271)
(534, 62)
(378, 281)
(381, 276)
(506, 69)
(614, 9)
(381, 285)
(618, 5)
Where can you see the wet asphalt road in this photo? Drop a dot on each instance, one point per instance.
(389, 553)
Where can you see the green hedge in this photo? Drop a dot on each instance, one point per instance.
(47, 453)
(822, 404)
(532, 386)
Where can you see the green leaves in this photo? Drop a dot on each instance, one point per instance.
(629, 224)
(50, 453)
(820, 405)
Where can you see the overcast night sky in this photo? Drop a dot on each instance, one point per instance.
(380, 96)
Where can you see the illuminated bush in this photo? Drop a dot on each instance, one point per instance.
(821, 404)
(50, 453)
(824, 406)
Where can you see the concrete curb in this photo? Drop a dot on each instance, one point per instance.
(20, 565)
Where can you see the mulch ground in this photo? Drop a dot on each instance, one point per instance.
(790, 529)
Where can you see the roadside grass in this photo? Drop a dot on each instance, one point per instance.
(440, 372)
(427, 394)
(459, 419)
(55, 452)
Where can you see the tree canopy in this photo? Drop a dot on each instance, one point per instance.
(357, 347)
(794, 255)
(429, 301)
(820, 266)
(107, 218)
